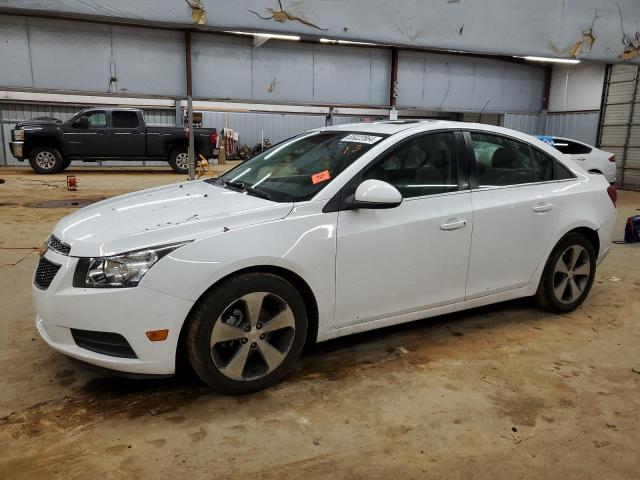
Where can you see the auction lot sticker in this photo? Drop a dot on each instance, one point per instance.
(358, 138)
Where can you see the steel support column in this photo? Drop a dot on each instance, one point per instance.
(192, 164)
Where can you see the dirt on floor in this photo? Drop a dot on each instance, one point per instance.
(507, 391)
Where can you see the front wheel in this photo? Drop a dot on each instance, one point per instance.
(568, 274)
(45, 160)
(247, 333)
(179, 160)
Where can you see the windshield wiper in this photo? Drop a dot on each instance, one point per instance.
(247, 188)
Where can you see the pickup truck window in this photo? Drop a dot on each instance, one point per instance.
(124, 119)
(97, 119)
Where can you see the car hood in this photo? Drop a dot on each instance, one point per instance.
(38, 122)
(162, 215)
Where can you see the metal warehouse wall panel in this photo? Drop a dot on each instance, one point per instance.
(461, 83)
(148, 61)
(250, 126)
(581, 126)
(70, 55)
(14, 52)
(523, 122)
(225, 67)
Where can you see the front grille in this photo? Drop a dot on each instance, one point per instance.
(45, 272)
(55, 244)
(106, 343)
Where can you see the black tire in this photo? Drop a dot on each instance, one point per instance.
(45, 160)
(552, 280)
(65, 164)
(176, 160)
(210, 359)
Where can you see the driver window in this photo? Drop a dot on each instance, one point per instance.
(427, 165)
(97, 119)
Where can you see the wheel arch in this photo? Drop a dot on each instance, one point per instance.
(41, 142)
(296, 280)
(590, 234)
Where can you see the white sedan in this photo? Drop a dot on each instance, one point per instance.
(336, 231)
(590, 158)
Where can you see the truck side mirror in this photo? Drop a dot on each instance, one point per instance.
(82, 122)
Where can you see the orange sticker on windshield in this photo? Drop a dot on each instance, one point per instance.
(320, 177)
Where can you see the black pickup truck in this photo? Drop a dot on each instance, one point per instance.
(104, 133)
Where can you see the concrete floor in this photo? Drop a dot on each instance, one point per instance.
(507, 391)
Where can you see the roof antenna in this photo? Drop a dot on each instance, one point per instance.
(481, 111)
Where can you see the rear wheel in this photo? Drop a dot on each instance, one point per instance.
(568, 274)
(45, 160)
(179, 160)
(247, 333)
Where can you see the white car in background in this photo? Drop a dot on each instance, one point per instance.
(339, 230)
(590, 158)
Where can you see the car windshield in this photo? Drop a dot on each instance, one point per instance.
(297, 169)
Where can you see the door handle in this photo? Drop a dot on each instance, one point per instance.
(544, 207)
(454, 225)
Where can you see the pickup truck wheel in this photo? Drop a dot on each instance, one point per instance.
(179, 160)
(46, 160)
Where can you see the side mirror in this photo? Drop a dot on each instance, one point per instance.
(82, 122)
(374, 194)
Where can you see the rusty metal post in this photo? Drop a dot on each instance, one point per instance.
(393, 88)
(192, 163)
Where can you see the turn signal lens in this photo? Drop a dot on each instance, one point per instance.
(158, 335)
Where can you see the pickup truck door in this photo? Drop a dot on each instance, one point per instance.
(87, 142)
(127, 134)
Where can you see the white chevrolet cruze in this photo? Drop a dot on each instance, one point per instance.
(333, 232)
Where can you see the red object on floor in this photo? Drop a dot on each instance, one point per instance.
(72, 182)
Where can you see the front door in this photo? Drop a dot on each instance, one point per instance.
(89, 142)
(415, 256)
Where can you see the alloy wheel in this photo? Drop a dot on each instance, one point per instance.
(46, 160)
(253, 336)
(571, 274)
(182, 160)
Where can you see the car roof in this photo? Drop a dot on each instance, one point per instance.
(391, 127)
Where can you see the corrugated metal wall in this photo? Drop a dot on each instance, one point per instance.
(251, 127)
(620, 128)
(11, 113)
(581, 126)
(524, 122)
(43, 53)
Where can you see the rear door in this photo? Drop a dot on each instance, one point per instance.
(89, 142)
(415, 256)
(513, 188)
(127, 134)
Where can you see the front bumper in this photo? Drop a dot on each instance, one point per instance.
(130, 312)
(16, 149)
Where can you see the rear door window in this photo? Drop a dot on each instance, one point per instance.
(501, 161)
(124, 119)
(570, 148)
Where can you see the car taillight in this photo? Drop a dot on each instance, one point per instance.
(613, 194)
(612, 158)
(213, 138)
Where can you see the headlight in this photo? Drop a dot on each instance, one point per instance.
(18, 135)
(124, 270)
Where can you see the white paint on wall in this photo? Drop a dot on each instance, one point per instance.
(576, 87)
